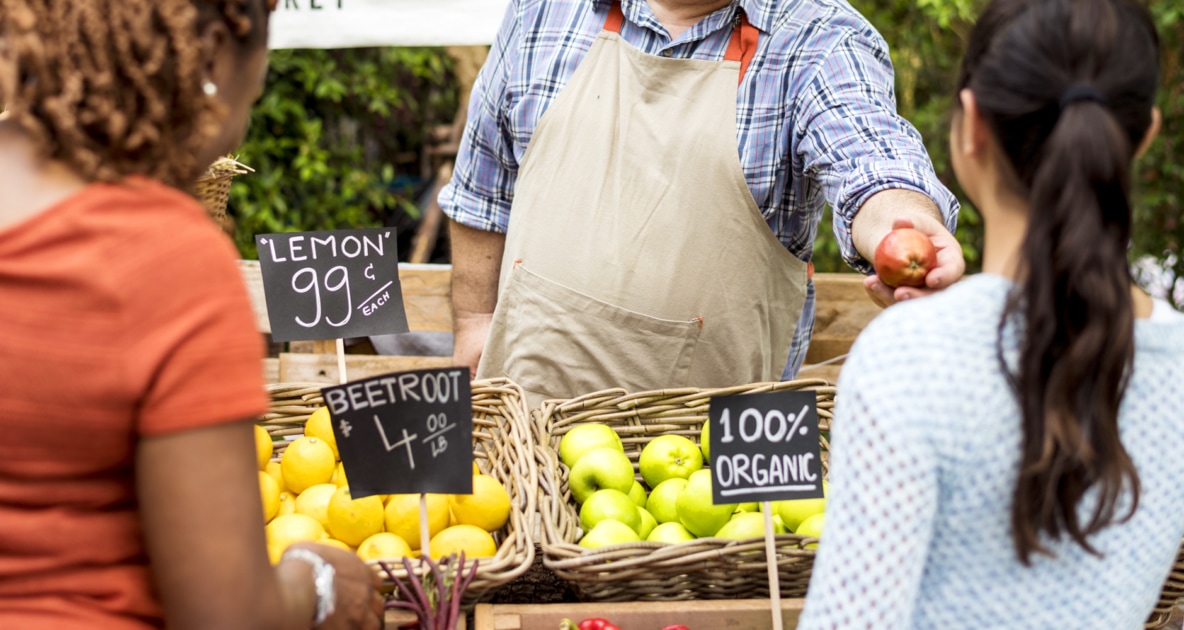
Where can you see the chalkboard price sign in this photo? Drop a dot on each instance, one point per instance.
(408, 432)
(764, 447)
(331, 284)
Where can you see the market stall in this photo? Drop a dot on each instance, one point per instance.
(709, 579)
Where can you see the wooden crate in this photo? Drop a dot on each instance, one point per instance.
(736, 614)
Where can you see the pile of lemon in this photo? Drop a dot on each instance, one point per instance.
(306, 498)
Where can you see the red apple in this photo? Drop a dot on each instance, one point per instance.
(904, 258)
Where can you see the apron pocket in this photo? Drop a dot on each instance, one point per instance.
(562, 343)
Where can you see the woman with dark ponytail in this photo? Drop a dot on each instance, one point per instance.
(1008, 454)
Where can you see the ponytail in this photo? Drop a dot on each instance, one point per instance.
(1067, 89)
(1078, 341)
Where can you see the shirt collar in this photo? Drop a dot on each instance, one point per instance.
(761, 13)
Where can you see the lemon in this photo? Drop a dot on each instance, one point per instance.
(476, 469)
(270, 493)
(488, 507)
(276, 472)
(402, 516)
(338, 479)
(263, 446)
(472, 540)
(293, 528)
(314, 502)
(336, 544)
(383, 546)
(353, 520)
(306, 462)
(320, 425)
(287, 504)
(274, 553)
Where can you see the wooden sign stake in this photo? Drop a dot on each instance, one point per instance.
(425, 549)
(771, 561)
(341, 361)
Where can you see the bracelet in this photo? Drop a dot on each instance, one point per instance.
(323, 575)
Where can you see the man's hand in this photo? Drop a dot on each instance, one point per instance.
(893, 209)
(469, 332)
(476, 265)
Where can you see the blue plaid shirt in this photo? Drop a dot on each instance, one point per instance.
(816, 117)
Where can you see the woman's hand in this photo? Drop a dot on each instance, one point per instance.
(359, 603)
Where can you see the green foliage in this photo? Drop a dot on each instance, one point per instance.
(337, 138)
(926, 39)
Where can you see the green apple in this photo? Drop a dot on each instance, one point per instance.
(648, 523)
(608, 533)
(812, 528)
(795, 511)
(695, 510)
(669, 457)
(748, 507)
(742, 526)
(637, 493)
(610, 505)
(585, 438)
(661, 502)
(705, 441)
(599, 469)
(670, 533)
(779, 525)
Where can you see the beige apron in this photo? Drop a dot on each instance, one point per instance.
(636, 256)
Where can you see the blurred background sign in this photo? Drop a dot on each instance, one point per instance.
(358, 23)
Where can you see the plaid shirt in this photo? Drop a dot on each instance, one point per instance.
(816, 114)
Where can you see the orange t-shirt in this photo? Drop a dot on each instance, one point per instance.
(122, 315)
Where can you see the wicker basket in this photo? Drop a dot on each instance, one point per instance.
(500, 438)
(708, 568)
(213, 189)
(1172, 594)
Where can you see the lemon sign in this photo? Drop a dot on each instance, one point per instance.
(405, 433)
(331, 284)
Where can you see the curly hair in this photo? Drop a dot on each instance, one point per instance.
(114, 87)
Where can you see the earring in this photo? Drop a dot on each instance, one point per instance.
(209, 88)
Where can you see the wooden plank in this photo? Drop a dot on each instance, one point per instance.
(322, 368)
(271, 371)
(253, 278)
(748, 614)
(842, 310)
(840, 287)
(397, 618)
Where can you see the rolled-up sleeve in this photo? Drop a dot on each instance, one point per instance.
(482, 185)
(851, 140)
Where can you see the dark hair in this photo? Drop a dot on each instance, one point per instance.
(113, 87)
(1072, 306)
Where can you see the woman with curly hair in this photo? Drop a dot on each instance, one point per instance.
(129, 359)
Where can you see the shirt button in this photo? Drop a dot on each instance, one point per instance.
(667, 52)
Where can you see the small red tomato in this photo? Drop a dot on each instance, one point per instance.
(676, 627)
(904, 258)
(596, 623)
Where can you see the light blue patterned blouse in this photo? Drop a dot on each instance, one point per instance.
(925, 452)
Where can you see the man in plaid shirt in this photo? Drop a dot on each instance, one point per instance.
(620, 103)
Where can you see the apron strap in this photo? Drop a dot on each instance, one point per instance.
(615, 18)
(742, 46)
